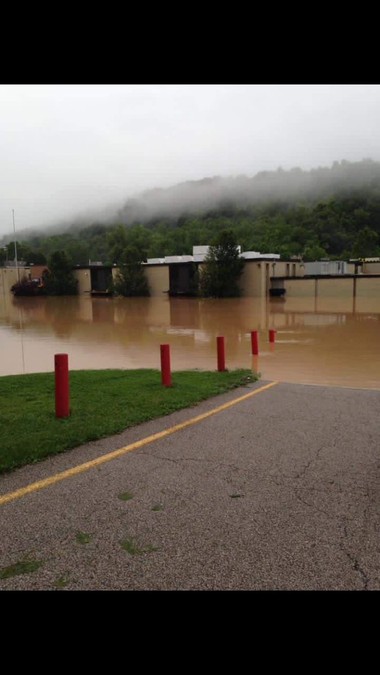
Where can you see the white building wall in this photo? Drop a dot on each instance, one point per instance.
(326, 267)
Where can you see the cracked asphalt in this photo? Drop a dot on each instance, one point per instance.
(280, 491)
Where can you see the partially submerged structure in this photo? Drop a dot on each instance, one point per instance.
(178, 275)
(263, 275)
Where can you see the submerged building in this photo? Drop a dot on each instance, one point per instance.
(177, 275)
(263, 275)
(174, 275)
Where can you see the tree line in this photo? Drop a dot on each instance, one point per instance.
(221, 271)
(336, 217)
(336, 229)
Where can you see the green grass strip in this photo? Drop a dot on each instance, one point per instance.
(24, 566)
(102, 403)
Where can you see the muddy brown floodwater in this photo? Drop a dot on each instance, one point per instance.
(328, 340)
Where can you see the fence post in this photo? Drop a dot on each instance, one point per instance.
(254, 342)
(221, 354)
(62, 399)
(272, 335)
(166, 376)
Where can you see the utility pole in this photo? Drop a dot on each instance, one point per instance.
(14, 230)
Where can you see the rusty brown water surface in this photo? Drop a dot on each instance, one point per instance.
(331, 340)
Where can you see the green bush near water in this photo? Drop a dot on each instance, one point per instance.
(102, 403)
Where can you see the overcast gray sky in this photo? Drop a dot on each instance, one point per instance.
(68, 148)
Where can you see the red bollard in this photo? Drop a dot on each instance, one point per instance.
(221, 354)
(272, 335)
(166, 376)
(255, 342)
(62, 399)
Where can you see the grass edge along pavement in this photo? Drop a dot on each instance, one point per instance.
(102, 403)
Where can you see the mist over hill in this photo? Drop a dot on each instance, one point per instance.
(325, 212)
(240, 192)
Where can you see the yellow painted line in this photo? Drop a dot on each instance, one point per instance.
(41, 484)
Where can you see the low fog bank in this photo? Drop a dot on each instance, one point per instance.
(197, 197)
(106, 216)
(242, 191)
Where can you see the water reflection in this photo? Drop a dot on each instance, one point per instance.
(327, 340)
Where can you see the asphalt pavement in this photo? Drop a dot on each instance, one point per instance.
(279, 491)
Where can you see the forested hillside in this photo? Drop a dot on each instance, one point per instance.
(327, 212)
